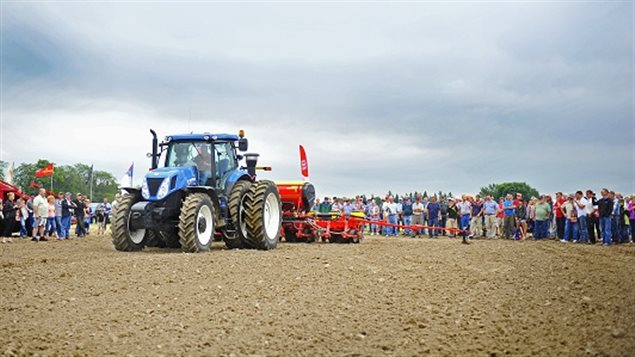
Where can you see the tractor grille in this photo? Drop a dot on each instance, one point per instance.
(153, 185)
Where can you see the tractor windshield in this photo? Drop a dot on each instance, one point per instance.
(190, 153)
(198, 153)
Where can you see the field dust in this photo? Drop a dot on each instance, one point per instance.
(401, 297)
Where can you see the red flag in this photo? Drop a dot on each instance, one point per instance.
(34, 185)
(47, 171)
(304, 163)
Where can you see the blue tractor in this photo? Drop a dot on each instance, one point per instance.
(200, 193)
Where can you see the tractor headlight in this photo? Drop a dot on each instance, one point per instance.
(164, 188)
(145, 192)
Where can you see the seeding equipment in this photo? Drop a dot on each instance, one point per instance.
(299, 224)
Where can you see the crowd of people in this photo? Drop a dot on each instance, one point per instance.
(46, 216)
(579, 217)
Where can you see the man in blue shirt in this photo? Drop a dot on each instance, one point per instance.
(407, 215)
(510, 211)
(434, 212)
(490, 208)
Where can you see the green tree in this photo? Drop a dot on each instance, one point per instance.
(68, 178)
(3, 166)
(497, 190)
(425, 194)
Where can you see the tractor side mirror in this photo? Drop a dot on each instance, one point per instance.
(243, 144)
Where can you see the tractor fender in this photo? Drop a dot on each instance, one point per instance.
(235, 176)
(132, 190)
(220, 222)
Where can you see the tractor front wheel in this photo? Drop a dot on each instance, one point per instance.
(123, 237)
(196, 223)
(263, 215)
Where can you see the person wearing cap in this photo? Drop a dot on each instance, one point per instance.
(453, 216)
(490, 208)
(476, 224)
(325, 206)
(390, 216)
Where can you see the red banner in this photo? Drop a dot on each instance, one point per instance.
(47, 171)
(304, 163)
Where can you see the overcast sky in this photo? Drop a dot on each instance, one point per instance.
(399, 96)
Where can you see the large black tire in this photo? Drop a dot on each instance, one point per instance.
(123, 238)
(263, 215)
(239, 239)
(196, 223)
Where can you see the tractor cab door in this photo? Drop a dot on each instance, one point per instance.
(192, 153)
(226, 162)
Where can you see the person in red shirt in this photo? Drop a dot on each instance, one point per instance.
(560, 218)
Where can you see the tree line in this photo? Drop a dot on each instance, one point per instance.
(66, 178)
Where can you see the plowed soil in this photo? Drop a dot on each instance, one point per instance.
(401, 297)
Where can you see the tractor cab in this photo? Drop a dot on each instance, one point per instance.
(207, 160)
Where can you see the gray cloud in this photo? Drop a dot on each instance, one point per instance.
(385, 96)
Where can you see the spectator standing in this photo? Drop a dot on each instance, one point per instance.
(80, 215)
(571, 221)
(521, 218)
(541, 225)
(374, 217)
(434, 217)
(40, 215)
(325, 206)
(490, 208)
(443, 209)
(476, 224)
(407, 216)
(531, 215)
(58, 214)
(615, 218)
(88, 216)
(23, 212)
(560, 218)
(337, 205)
(500, 217)
(453, 216)
(631, 216)
(417, 216)
(9, 214)
(508, 221)
(605, 210)
(593, 221)
(465, 210)
(51, 229)
(390, 215)
(581, 211)
(68, 210)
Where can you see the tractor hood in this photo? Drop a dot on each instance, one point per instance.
(160, 183)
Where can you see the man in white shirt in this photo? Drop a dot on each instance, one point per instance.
(390, 215)
(417, 215)
(582, 209)
(40, 214)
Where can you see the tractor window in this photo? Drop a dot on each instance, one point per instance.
(195, 153)
(225, 159)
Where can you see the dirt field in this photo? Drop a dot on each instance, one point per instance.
(397, 297)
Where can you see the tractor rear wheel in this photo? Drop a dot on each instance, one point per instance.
(196, 223)
(124, 238)
(263, 215)
(239, 239)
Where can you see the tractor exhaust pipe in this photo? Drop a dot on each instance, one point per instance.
(155, 144)
(251, 160)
